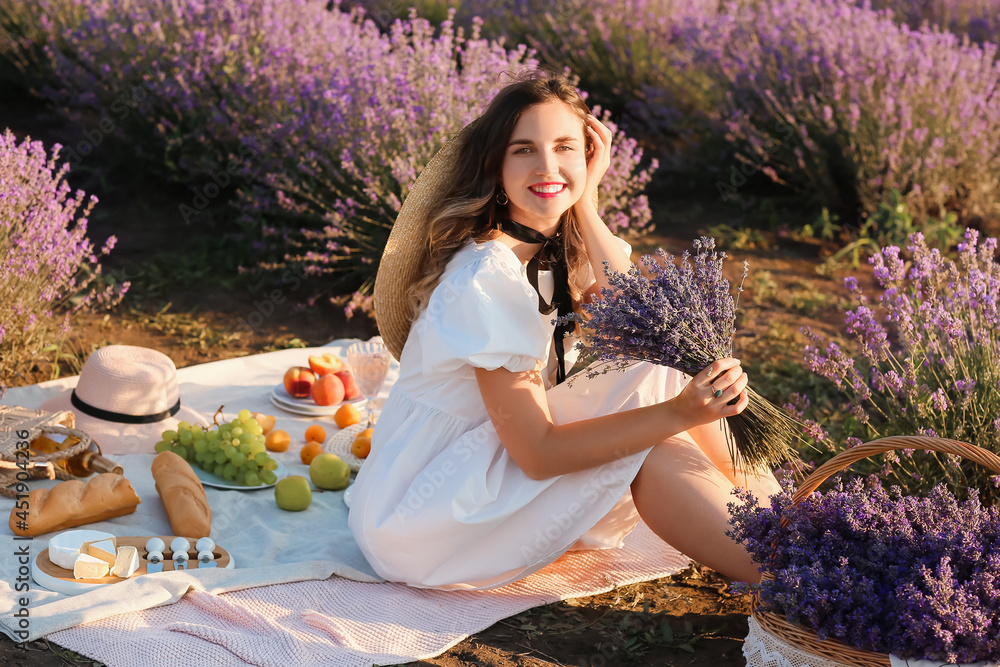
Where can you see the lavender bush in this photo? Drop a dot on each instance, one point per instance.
(977, 19)
(842, 105)
(312, 121)
(927, 361)
(682, 316)
(880, 571)
(49, 269)
(631, 57)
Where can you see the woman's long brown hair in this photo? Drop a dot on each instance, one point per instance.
(468, 209)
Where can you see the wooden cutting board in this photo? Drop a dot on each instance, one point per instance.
(46, 568)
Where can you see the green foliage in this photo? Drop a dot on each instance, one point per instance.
(890, 224)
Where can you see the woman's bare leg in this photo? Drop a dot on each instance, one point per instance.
(681, 494)
(714, 441)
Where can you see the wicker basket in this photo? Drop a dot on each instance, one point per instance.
(805, 639)
(14, 420)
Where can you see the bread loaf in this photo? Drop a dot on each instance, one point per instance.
(73, 503)
(183, 496)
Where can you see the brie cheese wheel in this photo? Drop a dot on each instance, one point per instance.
(89, 567)
(105, 550)
(126, 562)
(65, 547)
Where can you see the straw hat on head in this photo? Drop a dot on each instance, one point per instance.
(400, 264)
(126, 397)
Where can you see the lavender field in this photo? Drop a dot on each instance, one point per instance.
(285, 134)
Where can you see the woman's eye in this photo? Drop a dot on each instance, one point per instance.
(565, 148)
(522, 150)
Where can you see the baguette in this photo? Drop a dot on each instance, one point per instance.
(183, 496)
(73, 503)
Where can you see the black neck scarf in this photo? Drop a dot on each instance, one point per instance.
(555, 259)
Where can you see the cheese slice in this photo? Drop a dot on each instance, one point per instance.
(65, 547)
(105, 550)
(89, 567)
(126, 562)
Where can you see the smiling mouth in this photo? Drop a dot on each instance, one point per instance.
(547, 189)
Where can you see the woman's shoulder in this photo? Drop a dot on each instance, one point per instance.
(488, 257)
(482, 273)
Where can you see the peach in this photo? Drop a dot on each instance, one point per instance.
(299, 381)
(327, 390)
(326, 363)
(351, 390)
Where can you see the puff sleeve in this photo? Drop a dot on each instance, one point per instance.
(483, 314)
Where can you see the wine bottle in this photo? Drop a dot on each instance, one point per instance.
(81, 465)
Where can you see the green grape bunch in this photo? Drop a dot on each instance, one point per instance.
(234, 451)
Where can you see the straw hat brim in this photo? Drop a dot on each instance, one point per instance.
(400, 264)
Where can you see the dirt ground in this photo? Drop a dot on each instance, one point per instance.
(687, 619)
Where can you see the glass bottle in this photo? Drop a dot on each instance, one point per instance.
(83, 464)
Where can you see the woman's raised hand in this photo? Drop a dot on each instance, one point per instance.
(599, 159)
(706, 397)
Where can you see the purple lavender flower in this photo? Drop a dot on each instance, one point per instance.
(48, 263)
(682, 315)
(925, 359)
(878, 570)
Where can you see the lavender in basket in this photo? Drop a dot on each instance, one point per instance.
(880, 571)
(683, 316)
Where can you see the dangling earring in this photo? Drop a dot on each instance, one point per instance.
(502, 197)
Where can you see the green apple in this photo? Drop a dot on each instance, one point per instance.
(293, 493)
(330, 472)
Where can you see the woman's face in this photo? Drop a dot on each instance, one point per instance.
(545, 165)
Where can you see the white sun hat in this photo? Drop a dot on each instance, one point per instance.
(126, 397)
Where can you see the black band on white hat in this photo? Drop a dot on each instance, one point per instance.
(120, 417)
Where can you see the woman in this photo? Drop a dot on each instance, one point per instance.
(484, 466)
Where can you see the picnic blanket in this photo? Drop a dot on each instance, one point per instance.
(301, 592)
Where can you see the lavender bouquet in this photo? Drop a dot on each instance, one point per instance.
(913, 577)
(683, 316)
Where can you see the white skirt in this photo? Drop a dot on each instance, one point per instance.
(440, 504)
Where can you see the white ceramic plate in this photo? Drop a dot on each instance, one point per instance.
(340, 444)
(208, 479)
(306, 406)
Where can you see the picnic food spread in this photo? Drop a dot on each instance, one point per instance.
(189, 457)
(182, 494)
(235, 451)
(74, 503)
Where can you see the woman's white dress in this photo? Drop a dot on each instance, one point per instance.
(439, 502)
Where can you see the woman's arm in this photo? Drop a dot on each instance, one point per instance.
(600, 243)
(517, 405)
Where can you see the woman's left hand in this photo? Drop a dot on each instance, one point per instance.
(599, 160)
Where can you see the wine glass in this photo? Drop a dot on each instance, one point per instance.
(369, 361)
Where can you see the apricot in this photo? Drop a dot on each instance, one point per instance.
(277, 440)
(310, 450)
(266, 421)
(327, 390)
(346, 416)
(361, 447)
(316, 432)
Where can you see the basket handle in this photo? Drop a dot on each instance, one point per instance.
(842, 460)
